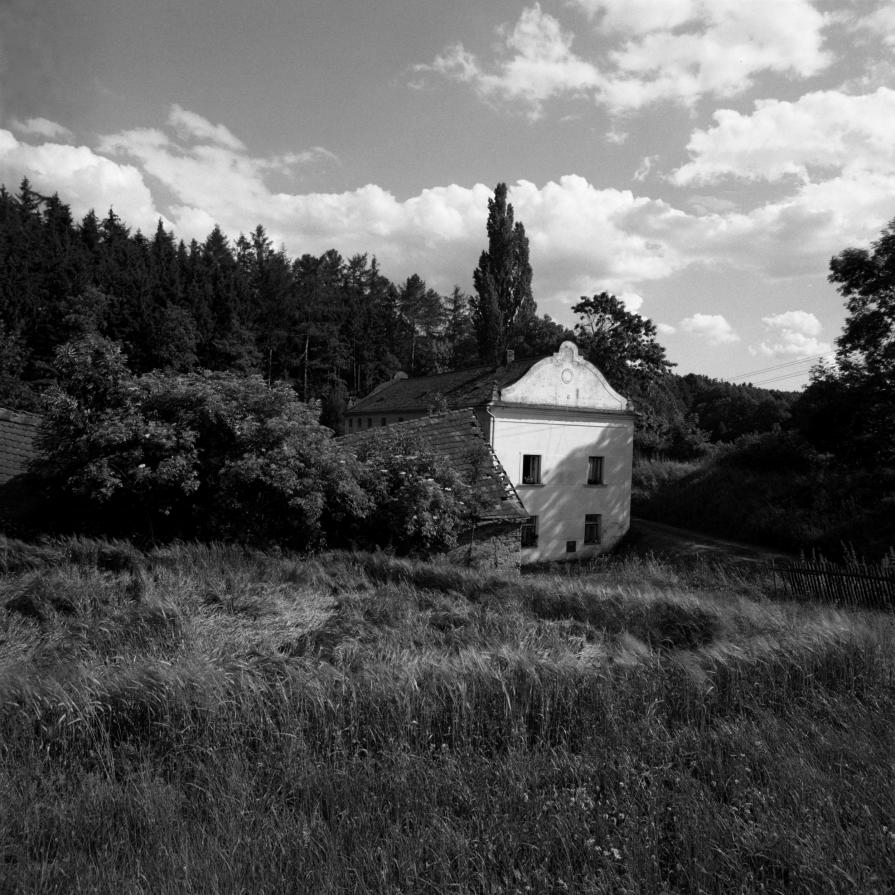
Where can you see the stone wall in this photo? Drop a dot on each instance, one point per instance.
(490, 546)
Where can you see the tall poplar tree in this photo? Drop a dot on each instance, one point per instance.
(502, 280)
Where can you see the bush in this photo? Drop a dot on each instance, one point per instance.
(213, 455)
(774, 451)
(420, 504)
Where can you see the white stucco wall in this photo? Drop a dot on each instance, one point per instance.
(565, 439)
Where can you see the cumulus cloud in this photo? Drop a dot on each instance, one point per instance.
(41, 127)
(82, 177)
(666, 329)
(632, 301)
(707, 47)
(793, 334)
(535, 63)
(712, 328)
(679, 50)
(820, 132)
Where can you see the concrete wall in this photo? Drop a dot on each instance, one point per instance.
(564, 440)
(491, 547)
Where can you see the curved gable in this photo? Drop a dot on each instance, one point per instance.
(565, 380)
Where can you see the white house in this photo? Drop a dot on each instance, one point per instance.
(562, 433)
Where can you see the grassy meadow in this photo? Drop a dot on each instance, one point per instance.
(206, 719)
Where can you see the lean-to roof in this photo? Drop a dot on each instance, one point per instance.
(455, 437)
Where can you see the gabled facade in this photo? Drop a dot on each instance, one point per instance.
(564, 436)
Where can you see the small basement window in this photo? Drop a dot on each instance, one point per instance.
(593, 528)
(530, 532)
(594, 470)
(571, 546)
(531, 469)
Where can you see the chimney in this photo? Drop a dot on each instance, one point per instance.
(508, 357)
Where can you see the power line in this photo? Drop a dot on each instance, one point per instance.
(812, 360)
(781, 378)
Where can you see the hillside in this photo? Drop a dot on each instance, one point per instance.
(207, 719)
(788, 500)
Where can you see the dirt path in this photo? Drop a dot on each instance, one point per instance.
(656, 537)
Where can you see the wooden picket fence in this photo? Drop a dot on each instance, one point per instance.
(857, 584)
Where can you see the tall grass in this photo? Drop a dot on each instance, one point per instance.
(206, 719)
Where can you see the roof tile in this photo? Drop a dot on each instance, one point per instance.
(17, 434)
(455, 436)
(461, 389)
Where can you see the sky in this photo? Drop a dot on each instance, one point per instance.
(702, 159)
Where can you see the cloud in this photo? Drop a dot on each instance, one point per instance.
(793, 235)
(638, 16)
(646, 165)
(535, 63)
(41, 127)
(84, 179)
(818, 133)
(713, 328)
(632, 301)
(193, 125)
(706, 48)
(793, 334)
(878, 23)
(666, 329)
(676, 51)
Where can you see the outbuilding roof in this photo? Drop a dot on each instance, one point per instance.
(17, 434)
(461, 389)
(455, 436)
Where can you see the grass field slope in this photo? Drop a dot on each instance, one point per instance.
(206, 719)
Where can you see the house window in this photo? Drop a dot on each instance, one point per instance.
(571, 546)
(350, 422)
(530, 532)
(400, 419)
(593, 525)
(531, 469)
(382, 421)
(369, 422)
(594, 470)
